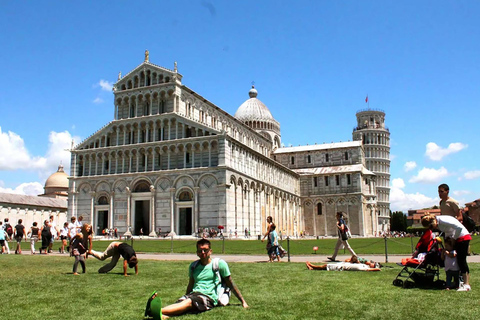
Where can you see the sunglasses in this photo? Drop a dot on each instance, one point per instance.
(203, 250)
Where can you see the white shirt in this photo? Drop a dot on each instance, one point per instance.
(72, 228)
(451, 227)
(451, 263)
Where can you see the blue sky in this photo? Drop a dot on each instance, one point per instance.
(313, 63)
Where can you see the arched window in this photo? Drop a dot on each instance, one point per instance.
(142, 186)
(319, 209)
(103, 200)
(185, 196)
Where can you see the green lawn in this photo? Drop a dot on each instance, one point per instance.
(254, 247)
(42, 287)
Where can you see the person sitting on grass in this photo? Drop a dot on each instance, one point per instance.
(115, 250)
(201, 294)
(341, 266)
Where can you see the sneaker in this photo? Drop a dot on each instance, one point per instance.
(465, 287)
(154, 307)
(331, 259)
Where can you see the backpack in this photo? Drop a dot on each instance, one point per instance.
(223, 291)
(468, 222)
(9, 229)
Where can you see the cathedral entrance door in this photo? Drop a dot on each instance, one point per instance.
(141, 217)
(102, 221)
(185, 221)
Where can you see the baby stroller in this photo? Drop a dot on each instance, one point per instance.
(423, 270)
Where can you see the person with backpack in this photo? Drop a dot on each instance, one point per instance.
(3, 235)
(204, 289)
(9, 231)
(19, 235)
(342, 237)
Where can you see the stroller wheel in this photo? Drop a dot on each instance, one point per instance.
(409, 284)
(398, 283)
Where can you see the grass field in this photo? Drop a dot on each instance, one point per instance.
(297, 247)
(42, 287)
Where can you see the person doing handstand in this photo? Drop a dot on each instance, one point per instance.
(115, 250)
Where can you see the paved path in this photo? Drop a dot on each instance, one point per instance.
(316, 258)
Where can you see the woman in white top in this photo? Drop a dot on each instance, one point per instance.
(453, 229)
(64, 236)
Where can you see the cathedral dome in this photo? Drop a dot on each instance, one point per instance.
(58, 179)
(253, 109)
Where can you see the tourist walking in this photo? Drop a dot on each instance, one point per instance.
(9, 230)
(342, 237)
(19, 235)
(34, 233)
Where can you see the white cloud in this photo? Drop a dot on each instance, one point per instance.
(409, 166)
(436, 153)
(401, 201)
(105, 85)
(97, 100)
(398, 183)
(29, 188)
(15, 156)
(471, 175)
(461, 193)
(428, 175)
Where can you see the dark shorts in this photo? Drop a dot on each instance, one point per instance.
(63, 237)
(200, 302)
(2, 243)
(19, 239)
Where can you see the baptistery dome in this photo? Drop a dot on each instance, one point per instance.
(57, 184)
(255, 114)
(253, 109)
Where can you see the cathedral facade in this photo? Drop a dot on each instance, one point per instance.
(173, 160)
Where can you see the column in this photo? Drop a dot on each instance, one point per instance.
(110, 211)
(172, 210)
(92, 215)
(196, 209)
(152, 211)
(129, 200)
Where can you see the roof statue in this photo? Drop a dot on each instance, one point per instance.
(147, 56)
(119, 75)
(175, 67)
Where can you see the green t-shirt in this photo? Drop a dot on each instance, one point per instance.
(206, 281)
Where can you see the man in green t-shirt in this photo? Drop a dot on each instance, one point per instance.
(201, 294)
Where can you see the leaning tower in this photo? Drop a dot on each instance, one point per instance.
(375, 136)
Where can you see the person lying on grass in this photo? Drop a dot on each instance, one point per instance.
(370, 263)
(201, 294)
(341, 266)
(115, 250)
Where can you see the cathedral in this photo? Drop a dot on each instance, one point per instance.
(172, 160)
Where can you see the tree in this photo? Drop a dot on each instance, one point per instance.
(398, 221)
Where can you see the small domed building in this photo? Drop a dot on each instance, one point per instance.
(56, 185)
(173, 160)
(38, 208)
